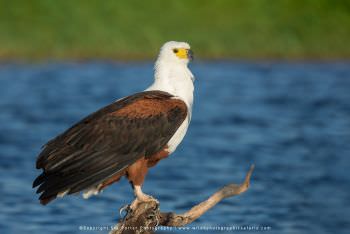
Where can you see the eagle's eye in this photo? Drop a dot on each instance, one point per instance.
(175, 50)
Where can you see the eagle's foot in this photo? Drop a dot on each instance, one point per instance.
(153, 215)
(146, 198)
(143, 199)
(126, 208)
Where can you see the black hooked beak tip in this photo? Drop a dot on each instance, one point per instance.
(190, 54)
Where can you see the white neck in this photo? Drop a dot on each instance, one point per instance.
(174, 78)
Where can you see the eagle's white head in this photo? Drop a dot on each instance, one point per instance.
(175, 52)
(171, 73)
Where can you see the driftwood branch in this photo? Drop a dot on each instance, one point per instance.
(147, 216)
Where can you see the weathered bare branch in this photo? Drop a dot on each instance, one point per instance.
(147, 215)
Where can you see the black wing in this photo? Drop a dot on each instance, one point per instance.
(108, 141)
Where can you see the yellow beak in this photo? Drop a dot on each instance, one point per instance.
(184, 54)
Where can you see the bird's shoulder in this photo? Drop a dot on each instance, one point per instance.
(148, 103)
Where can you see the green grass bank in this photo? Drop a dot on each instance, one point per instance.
(248, 29)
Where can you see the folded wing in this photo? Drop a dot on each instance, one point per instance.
(108, 141)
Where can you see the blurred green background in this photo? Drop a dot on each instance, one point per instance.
(252, 29)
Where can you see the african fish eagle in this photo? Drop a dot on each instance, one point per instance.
(124, 138)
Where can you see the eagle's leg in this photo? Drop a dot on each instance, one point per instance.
(136, 174)
(142, 197)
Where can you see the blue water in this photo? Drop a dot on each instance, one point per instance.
(292, 120)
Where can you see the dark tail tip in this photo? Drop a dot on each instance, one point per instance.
(45, 201)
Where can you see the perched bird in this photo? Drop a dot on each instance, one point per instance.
(124, 138)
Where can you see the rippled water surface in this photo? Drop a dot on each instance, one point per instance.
(291, 120)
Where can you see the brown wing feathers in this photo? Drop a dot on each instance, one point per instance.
(107, 141)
